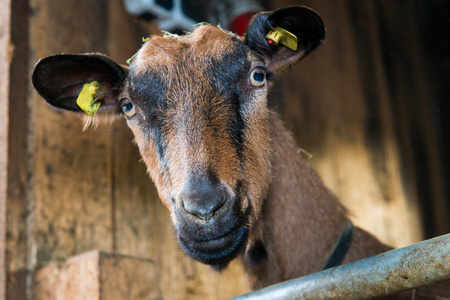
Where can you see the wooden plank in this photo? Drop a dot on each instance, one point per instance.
(128, 278)
(13, 142)
(72, 189)
(5, 57)
(98, 276)
(16, 284)
(338, 104)
(416, 105)
(431, 19)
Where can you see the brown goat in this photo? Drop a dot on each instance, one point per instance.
(223, 164)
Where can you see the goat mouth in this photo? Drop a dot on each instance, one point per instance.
(218, 250)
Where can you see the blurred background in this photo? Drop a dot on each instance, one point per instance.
(370, 107)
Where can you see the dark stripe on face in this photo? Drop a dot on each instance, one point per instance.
(161, 149)
(227, 75)
(213, 177)
(237, 128)
(238, 194)
(148, 90)
(238, 187)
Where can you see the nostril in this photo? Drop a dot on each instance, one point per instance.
(204, 203)
(202, 212)
(220, 204)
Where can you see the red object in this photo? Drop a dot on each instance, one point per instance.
(271, 42)
(239, 23)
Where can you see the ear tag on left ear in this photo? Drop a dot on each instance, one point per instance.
(88, 98)
(279, 35)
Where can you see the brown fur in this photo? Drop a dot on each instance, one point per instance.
(300, 241)
(173, 56)
(200, 140)
(300, 220)
(292, 227)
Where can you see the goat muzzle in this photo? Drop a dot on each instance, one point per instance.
(211, 226)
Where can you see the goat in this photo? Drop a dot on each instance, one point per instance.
(222, 162)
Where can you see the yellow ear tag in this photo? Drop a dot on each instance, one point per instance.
(88, 98)
(280, 35)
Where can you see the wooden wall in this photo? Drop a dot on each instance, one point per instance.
(5, 38)
(14, 197)
(366, 106)
(362, 105)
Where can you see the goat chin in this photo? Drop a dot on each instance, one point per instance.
(218, 252)
(216, 241)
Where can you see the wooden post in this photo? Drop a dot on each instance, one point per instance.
(14, 83)
(98, 276)
(5, 45)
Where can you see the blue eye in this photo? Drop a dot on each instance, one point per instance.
(128, 109)
(258, 77)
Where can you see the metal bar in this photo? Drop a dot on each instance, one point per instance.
(398, 270)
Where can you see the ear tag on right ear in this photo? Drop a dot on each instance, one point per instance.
(88, 98)
(279, 35)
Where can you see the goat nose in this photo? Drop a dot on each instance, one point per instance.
(203, 200)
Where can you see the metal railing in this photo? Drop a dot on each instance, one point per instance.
(414, 266)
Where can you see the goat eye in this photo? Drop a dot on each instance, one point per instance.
(258, 77)
(128, 109)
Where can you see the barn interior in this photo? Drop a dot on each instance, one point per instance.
(79, 216)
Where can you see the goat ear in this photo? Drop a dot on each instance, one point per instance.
(59, 79)
(304, 23)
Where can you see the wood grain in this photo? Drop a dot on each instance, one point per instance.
(347, 105)
(13, 147)
(5, 45)
(362, 105)
(98, 276)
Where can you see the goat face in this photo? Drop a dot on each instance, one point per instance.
(203, 135)
(197, 107)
